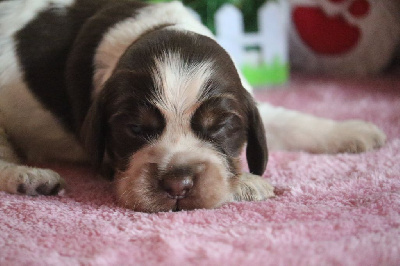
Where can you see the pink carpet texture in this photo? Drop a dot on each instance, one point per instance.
(330, 210)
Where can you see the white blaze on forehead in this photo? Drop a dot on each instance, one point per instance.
(179, 84)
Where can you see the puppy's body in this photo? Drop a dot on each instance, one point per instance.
(152, 92)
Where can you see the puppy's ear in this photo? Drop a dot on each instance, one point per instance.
(93, 132)
(256, 151)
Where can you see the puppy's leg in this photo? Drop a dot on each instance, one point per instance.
(15, 178)
(291, 130)
(252, 188)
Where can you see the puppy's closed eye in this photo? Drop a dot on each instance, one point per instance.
(214, 126)
(144, 121)
(217, 121)
(130, 130)
(143, 130)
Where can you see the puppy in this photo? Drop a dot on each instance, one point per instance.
(146, 90)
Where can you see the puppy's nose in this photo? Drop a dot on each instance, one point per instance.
(177, 181)
(177, 187)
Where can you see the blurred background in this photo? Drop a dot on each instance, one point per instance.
(270, 38)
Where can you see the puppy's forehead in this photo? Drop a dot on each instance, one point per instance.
(179, 83)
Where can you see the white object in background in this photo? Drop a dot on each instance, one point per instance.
(272, 37)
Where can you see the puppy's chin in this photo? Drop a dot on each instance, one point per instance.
(139, 188)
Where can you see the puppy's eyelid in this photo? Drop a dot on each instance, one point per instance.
(137, 129)
(116, 116)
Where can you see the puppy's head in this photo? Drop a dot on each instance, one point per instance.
(174, 118)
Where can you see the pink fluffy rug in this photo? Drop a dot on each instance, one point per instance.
(330, 209)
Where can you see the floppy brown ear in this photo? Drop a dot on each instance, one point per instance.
(256, 151)
(93, 133)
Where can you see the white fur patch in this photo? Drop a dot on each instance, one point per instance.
(179, 84)
(292, 130)
(36, 131)
(17, 13)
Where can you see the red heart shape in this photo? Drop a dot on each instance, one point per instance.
(359, 8)
(325, 35)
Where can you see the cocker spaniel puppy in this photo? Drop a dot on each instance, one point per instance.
(144, 90)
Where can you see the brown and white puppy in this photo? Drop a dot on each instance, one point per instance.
(148, 91)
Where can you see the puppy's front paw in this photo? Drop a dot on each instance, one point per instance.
(356, 136)
(31, 181)
(252, 188)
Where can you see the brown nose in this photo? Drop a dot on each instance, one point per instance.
(179, 180)
(177, 187)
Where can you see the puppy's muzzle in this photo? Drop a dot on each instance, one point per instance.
(165, 178)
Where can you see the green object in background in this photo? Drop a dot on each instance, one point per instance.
(264, 74)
